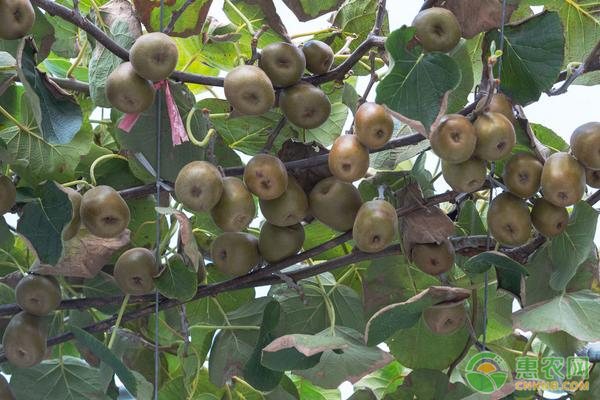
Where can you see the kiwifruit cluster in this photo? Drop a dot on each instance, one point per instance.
(251, 89)
(152, 58)
(284, 204)
(25, 336)
(562, 180)
(349, 156)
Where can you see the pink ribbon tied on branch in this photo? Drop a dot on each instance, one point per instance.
(178, 132)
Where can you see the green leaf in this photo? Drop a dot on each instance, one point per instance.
(416, 82)
(576, 313)
(387, 321)
(419, 347)
(532, 58)
(108, 357)
(357, 17)
(469, 221)
(581, 22)
(484, 261)
(573, 246)
(102, 285)
(142, 137)
(386, 281)
(207, 311)
(351, 363)
(58, 67)
(66, 379)
(383, 381)
(177, 281)
(189, 23)
(306, 10)
(308, 391)
(297, 351)
(7, 68)
(316, 233)
(430, 384)
(549, 138)
(43, 221)
(57, 113)
(256, 373)
(233, 348)
(459, 97)
(7, 239)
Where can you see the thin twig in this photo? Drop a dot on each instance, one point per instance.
(273, 135)
(254, 44)
(379, 18)
(592, 63)
(176, 15)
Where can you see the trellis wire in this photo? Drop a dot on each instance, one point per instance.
(492, 187)
(158, 216)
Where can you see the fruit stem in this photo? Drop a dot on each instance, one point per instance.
(101, 159)
(313, 33)
(228, 327)
(188, 128)
(9, 116)
(529, 344)
(328, 306)
(113, 335)
(78, 59)
(242, 16)
(77, 182)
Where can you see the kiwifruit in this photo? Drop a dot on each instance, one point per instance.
(16, 18)
(437, 29)
(135, 271)
(288, 209)
(548, 219)
(509, 220)
(277, 242)
(465, 177)
(235, 253)
(249, 90)
(38, 295)
(319, 56)
(454, 139)
(563, 180)
(335, 203)
(236, 209)
(266, 176)
(154, 56)
(284, 63)
(348, 159)
(373, 125)
(127, 91)
(199, 186)
(375, 226)
(446, 318)
(305, 105)
(24, 340)
(104, 212)
(585, 144)
(433, 258)
(495, 136)
(522, 174)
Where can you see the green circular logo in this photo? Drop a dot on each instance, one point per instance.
(487, 372)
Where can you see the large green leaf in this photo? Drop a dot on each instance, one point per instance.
(177, 281)
(533, 56)
(573, 246)
(419, 347)
(356, 17)
(460, 96)
(576, 313)
(7, 239)
(306, 10)
(108, 357)
(66, 379)
(308, 391)
(430, 384)
(350, 363)
(581, 22)
(394, 317)
(232, 347)
(256, 373)
(189, 22)
(43, 221)
(124, 29)
(549, 138)
(57, 113)
(416, 82)
(142, 138)
(383, 381)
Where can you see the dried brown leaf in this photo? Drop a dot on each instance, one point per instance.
(85, 255)
(307, 177)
